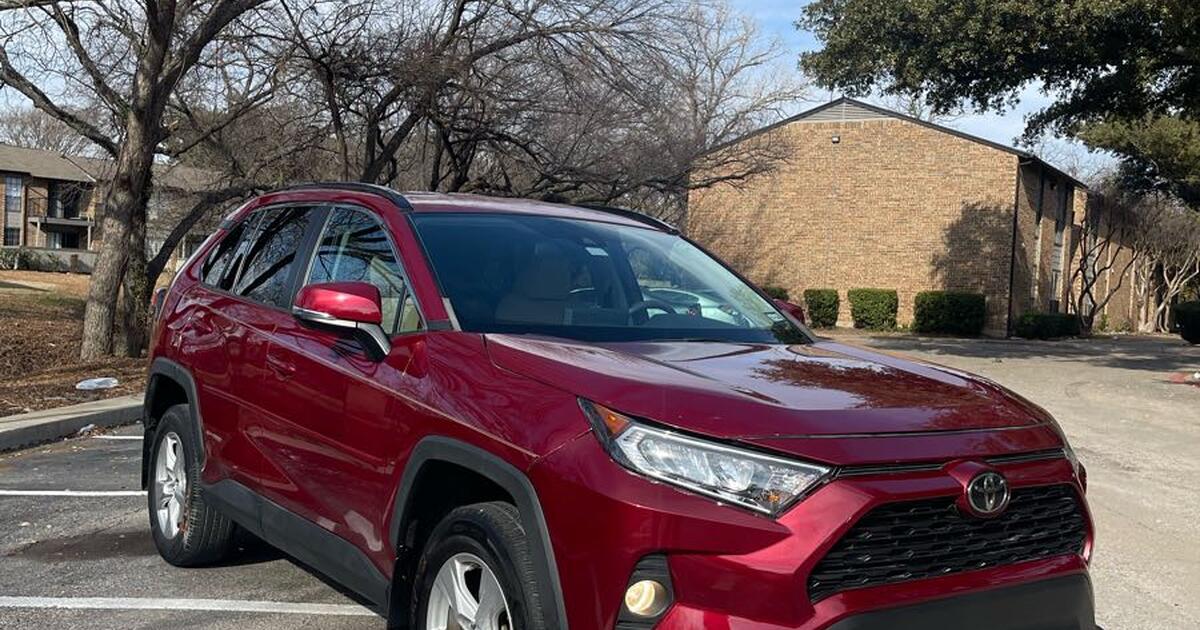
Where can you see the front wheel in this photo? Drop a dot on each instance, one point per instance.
(476, 573)
(187, 531)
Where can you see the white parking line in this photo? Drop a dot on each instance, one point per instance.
(117, 437)
(72, 493)
(212, 605)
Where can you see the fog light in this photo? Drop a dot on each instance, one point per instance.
(646, 598)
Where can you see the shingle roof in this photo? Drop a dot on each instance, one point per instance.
(176, 176)
(74, 168)
(40, 163)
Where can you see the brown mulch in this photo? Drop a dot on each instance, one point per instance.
(40, 329)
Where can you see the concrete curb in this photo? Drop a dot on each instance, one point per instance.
(36, 427)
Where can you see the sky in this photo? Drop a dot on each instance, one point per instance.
(776, 18)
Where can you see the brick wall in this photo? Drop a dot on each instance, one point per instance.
(893, 204)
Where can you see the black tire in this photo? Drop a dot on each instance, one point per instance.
(493, 533)
(205, 535)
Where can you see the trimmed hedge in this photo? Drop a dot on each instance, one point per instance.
(776, 293)
(1034, 325)
(822, 306)
(952, 312)
(873, 309)
(1187, 317)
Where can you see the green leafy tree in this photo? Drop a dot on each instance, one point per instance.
(1109, 60)
(1158, 153)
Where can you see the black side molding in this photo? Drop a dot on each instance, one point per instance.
(164, 368)
(302, 539)
(1062, 603)
(443, 449)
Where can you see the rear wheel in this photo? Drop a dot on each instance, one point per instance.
(476, 573)
(187, 531)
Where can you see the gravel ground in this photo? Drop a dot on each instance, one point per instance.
(1136, 431)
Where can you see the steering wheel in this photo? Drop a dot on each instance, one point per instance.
(645, 305)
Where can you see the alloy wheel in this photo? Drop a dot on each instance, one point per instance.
(467, 596)
(170, 486)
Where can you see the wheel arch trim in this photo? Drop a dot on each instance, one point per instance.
(163, 368)
(516, 483)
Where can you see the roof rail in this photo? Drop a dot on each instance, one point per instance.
(631, 214)
(374, 189)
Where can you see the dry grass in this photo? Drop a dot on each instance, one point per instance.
(41, 318)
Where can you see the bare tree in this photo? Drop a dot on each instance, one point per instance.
(619, 107)
(589, 100)
(1175, 248)
(1107, 251)
(129, 58)
(34, 129)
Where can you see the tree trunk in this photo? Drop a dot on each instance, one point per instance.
(105, 284)
(137, 291)
(125, 200)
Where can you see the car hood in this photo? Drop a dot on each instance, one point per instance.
(761, 392)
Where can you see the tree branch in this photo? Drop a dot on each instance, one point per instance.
(12, 77)
(99, 81)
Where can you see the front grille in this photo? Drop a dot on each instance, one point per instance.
(912, 540)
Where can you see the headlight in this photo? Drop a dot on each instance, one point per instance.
(760, 482)
(1080, 470)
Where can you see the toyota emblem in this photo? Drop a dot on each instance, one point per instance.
(987, 494)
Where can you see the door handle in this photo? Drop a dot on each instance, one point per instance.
(280, 366)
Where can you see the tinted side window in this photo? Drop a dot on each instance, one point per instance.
(270, 258)
(355, 248)
(221, 266)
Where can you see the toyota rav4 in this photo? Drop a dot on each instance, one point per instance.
(500, 414)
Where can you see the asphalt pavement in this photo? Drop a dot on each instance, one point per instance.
(76, 552)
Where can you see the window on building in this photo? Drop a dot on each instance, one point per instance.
(1057, 254)
(12, 208)
(12, 194)
(53, 200)
(12, 237)
(356, 248)
(71, 200)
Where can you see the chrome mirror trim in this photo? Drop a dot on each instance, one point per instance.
(374, 332)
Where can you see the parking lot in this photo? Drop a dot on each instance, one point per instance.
(68, 554)
(75, 549)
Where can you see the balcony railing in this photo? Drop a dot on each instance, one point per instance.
(54, 209)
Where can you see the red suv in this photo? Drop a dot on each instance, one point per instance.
(503, 414)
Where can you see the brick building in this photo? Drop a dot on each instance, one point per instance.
(48, 200)
(51, 205)
(874, 198)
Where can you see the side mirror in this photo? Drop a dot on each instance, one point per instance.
(791, 309)
(352, 306)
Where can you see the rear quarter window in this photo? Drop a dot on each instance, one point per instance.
(219, 268)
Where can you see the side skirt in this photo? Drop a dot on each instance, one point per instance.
(302, 539)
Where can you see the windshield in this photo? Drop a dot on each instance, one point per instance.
(591, 281)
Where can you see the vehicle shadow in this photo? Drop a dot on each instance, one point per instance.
(253, 550)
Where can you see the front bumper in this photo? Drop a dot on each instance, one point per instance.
(1062, 603)
(735, 569)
